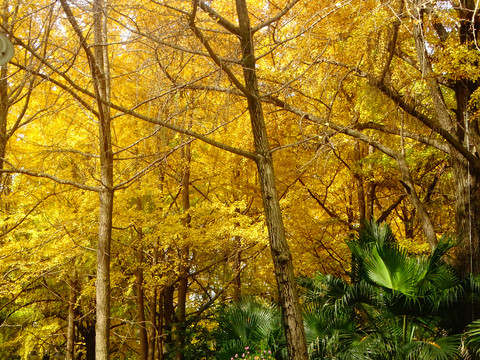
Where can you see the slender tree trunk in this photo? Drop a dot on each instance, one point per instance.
(282, 259)
(152, 323)
(168, 318)
(101, 79)
(4, 96)
(360, 187)
(183, 270)
(142, 329)
(88, 334)
(4, 106)
(103, 277)
(237, 281)
(370, 196)
(72, 300)
(161, 326)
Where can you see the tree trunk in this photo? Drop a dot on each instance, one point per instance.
(466, 176)
(168, 317)
(102, 331)
(183, 269)
(282, 259)
(101, 80)
(237, 261)
(4, 97)
(161, 325)
(142, 330)
(72, 300)
(87, 331)
(152, 324)
(362, 207)
(467, 217)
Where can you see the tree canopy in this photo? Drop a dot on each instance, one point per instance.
(163, 157)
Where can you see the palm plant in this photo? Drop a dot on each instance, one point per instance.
(472, 334)
(394, 308)
(250, 325)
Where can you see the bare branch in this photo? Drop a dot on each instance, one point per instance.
(427, 140)
(14, 170)
(277, 17)
(216, 59)
(26, 215)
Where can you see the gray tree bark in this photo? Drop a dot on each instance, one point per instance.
(99, 68)
(102, 85)
(466, 170)
(282, 259)
(100, 74)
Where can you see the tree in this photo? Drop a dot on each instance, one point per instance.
(293, 84)
(412, 36)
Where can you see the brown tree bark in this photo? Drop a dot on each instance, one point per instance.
(101, 78)
(237, 281)
(168, 319)
(153, 323)
(466, 170)
(282, 259)
(72, 300)
(362, 208)
(99, 68)
(161, 326)
(4, 97)
(142, 328)
(184, 251)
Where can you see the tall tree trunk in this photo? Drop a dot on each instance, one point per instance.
(4, 97)
(152, 323)
(237, 261)
(4, 106)
(183, 269)
(466, 175)
(101, 79)
(161, 326)
(168, 318)
(142, 329)
(87, 331)
(72, 300)
(98, 63)
(282, 259)
(467, 217)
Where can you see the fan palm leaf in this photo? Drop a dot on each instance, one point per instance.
(249, 323)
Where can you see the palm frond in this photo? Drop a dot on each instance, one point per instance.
(472, 338)
(249, 322)
(443, 348)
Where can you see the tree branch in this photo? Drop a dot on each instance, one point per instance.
(218, 18)
(277, 17)
(14, 170)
